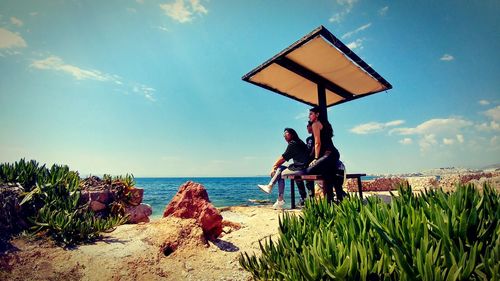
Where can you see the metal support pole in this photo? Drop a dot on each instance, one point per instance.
(322, 101)
(360, 187)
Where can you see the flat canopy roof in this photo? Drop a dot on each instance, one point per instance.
(319, 62)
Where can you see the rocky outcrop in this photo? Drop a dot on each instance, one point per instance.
(12, 215)
(139, 213)
(191, 201)
(100, 195)
(171, 234)
(379, 184)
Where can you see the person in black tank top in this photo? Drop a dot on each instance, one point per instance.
(326, 155)
(310, 151)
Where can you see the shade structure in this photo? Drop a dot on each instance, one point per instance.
(318, 70)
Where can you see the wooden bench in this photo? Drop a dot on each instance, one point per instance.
(294, 178)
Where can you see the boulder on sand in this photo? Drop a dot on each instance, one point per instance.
(138, 213)
(191, 201)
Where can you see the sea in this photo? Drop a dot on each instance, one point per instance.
(222, 191)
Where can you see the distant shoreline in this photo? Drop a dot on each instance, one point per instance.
(423, 173)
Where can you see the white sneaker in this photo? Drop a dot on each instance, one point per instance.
(279, 204)
(266, 188)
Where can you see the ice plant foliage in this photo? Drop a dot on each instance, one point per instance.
(433, 236)
(52, 199)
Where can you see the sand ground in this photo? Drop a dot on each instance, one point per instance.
(133, 252)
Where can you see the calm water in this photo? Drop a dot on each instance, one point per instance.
(222, 191)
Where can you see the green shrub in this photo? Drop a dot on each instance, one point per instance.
(73, 227)
(28, 174)
(435, 236)
(128, 180)
(53, 197)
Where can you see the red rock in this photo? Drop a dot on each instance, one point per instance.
(136, 195)
(138, 213)
(103, 196)
(97, 206)
(191, 201)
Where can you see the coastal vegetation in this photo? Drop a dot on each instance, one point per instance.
(430, 236)
(51, 203)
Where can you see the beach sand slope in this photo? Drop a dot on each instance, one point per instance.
(134, 252)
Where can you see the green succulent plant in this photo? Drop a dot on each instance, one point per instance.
(433, 236)
(52, 197)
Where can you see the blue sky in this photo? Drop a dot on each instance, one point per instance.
(154, 88)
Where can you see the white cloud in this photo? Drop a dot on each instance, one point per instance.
(16, 21)
(484, 102)
(367, 128)
(336, 18)
(346, 9)
(140, 1)
(145, 91)
(446, 129)
(349, 3)
(57, 64)
(448, 141)
(374, 127)
(33, 14)
(447, 57)
(197, 7)
(394, 123)
(10, 39)
(356, 44)
(178, 11)
(361, 28)
(486, 127)
(433, 126)
(406, 141)
(427, 141)
(493, 113)
(131, 10)
(383, 11)
(162, 28)
(181, 12)
(302, 115)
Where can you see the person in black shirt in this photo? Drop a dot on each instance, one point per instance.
(296, 150)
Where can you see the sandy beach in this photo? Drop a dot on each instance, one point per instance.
(133, 252)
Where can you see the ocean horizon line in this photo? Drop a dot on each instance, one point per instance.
(198, 177)
(179, 177)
